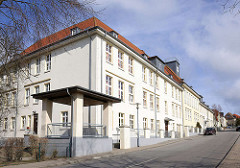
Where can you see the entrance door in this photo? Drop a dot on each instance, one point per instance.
(166, 128)
(35, 124)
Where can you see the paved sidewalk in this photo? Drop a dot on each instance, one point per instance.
(64, 161)
(233, 157)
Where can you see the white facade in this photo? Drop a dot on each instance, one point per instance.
(85, 60)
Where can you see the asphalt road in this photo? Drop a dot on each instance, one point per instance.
(203, 151)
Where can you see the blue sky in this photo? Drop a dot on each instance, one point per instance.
(204, 38)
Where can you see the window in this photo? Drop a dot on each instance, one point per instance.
(166, 108)
(48, 62)
(108, 53)
(165, 87)
(121, 119)
(152, 124)
(176, 110)
(27, 96)
(172, 92)
(64, 117)
(5, 124)
(75, 30)
(29, 118)
(131, 97)
(120, 90)
(151, 77)
(151, 101)
(23, 122)
(173, 110)
(130, 65)
(131, 121)
(144, 99)
(144, 75)
(157, 82)
(13, 122)
(47, 87)
(144, 123)
(157, 103)
(36, 91)
(108, 85)
(14, 99)
(38, 65)
(120, 60)
(176, 93)
(8, 99)
(28, 69)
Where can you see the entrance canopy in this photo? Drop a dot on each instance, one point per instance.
(62, 96)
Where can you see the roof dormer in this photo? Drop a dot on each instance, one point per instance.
(75, 30)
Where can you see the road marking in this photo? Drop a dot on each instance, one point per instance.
(137, 164)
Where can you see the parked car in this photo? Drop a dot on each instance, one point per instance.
(238, 128)
(210, 131)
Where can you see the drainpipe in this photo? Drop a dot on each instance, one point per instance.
(71, 138)
(90, 73)
(16, 103)
(155, 103)
(183, 116)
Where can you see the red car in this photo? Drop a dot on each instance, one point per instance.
(210, 131)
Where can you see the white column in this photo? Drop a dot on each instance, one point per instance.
(181, 131)
(172, 134)
(107, 118)
(146, 133)
(77, 123)
(161, 133)
(198, 130)
(46, 116)
(125, 138)
(186, 131)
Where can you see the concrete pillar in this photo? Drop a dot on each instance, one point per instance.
(125, 138)
(107, 118)
(78, 103)
(193, 129)
(46, 116)
(186, 131)
(181, 132)
(146, 133)
(172, 134)
(161, 133)
(77, 123)
(198, 130)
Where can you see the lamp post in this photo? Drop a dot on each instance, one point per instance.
(137, 124)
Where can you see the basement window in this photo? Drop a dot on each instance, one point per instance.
(75, 30)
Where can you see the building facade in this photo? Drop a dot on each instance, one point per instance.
(92, 55)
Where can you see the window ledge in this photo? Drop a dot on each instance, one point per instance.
(131, 74)
(109, 62)
(22, 129)
(36, 75)
(26, 105)
(47, 71)
(35, 103)
(121, 69)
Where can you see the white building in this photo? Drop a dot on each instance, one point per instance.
(92, 55)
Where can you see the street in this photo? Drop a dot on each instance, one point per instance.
(201, 151)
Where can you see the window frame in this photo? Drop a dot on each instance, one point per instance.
(131, 121)
(144, 99)
(27, 96)
(130, 65)
(121, 119)
(108, 53)
(121, 90)
(108, 85)
(120, 60)
(48, 63)
(131, 93)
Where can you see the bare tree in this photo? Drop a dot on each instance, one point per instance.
(232, 6)
(23, 22)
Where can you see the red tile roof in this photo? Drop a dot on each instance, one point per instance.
(235, 115)
(169, 71)
(89, 23)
